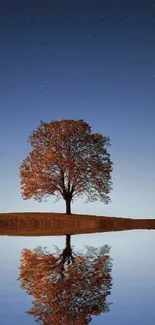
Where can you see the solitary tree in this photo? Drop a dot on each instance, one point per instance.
(67, 160)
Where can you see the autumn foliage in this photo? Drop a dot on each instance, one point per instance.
(68, 288)
(67, 160)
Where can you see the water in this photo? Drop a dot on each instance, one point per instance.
(132, 298)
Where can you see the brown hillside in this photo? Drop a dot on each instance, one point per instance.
(48, 224)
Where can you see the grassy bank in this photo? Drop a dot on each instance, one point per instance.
(46, 224)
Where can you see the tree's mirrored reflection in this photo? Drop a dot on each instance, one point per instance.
(68, 287)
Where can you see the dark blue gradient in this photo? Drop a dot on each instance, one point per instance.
(91, 61)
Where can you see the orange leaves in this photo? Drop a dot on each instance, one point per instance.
(67, 156)
(73, 297)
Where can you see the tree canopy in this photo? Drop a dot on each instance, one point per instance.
(67, 160)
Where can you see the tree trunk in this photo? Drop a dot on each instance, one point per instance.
(68, 242)
(68, 206)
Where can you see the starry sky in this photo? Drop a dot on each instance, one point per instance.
(80, 60)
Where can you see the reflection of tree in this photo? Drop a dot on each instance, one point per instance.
(68, 288)
(67, 256)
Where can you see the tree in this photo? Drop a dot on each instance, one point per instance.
(67, 160)
(67, 290)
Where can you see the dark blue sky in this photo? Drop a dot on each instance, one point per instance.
(85, 60)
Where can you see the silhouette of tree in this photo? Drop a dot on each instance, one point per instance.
(67, 160)
(67, 255)
(68, 288)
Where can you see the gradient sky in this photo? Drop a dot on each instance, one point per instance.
(82, 60)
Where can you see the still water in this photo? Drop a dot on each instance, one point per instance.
(101, 278)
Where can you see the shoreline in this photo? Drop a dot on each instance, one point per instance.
(64, 215)
(50, 224)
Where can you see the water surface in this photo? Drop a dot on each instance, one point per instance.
(131, 279)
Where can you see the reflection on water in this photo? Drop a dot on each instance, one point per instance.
(68, 286)
(75, 277)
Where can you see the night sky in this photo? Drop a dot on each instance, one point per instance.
(90, 60)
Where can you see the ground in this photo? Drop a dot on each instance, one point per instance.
(46, 224)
